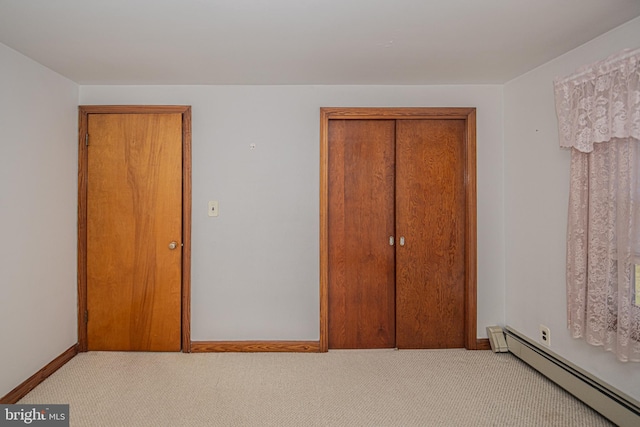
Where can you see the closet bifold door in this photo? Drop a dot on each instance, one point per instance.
(430, 218)
(361, 219)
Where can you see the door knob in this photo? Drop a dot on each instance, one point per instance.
(391, 241)
(173, 245)
(402, 241)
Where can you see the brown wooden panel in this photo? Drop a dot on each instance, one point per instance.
(82, 228)
(430, 214)
(186, 230)
(324, 231)
(468, 116)
(482, 344)
(470, 244)
(361, 219)
(255, 346)
(403, 113)
(134, 210)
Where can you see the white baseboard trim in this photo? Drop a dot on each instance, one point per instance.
(618, 407)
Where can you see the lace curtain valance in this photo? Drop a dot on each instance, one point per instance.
(600, 102)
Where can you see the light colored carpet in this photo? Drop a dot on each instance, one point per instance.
(339, 388)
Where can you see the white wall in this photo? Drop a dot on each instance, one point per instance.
(255, 268)
(536, 206)
(38, 186)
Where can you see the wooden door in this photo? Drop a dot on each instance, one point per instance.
(361, 261)
(403, 178)
(430, 216)
(134, 212)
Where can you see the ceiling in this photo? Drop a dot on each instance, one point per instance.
(303, 41)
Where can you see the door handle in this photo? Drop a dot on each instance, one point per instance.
(173, 245)
(402, 241)
(392, 241)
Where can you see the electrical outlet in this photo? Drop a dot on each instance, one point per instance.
(545, 335)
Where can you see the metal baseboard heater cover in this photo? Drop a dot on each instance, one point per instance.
(613, 404)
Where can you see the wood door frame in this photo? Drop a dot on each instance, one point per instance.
(83, 117)
(419, 113)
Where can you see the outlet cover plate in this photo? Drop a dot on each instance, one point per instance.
(545, 336)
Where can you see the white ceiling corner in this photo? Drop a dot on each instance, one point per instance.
(302, 41)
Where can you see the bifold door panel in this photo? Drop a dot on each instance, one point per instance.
(396, 233)
(361, 219)
(430, 215)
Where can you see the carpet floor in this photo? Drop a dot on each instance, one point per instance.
(339, 388)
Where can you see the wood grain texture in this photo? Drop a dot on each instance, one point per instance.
(482, 344)
(407, 113)
(361, 220)
(255, 346)
(324, 231)
(84, 112)
(471, 259)
(82, 229)
(186, 230)
(134, 210)
(135, 109)
(466, 114)
(430, 215)
(33, 381)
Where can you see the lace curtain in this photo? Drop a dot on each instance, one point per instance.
(598, 111)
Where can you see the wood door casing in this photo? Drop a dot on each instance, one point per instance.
(430, 215)
(134, 210)
(361, 272)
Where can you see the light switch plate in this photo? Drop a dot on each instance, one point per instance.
(213, 208)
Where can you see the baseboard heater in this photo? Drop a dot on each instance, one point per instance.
(618, 407)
